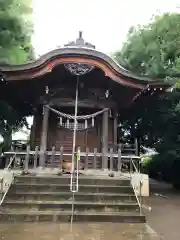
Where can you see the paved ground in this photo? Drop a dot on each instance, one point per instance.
(84, 231)
(165, 215)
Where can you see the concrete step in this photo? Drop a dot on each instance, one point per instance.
(45, 198)
(83, 180)
(67, 205)
(56, 196)
(65, 216)
(66, 187)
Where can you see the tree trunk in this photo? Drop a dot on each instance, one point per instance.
(7, 136)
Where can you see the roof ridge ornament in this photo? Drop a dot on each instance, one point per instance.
(79, 68)
(79, 42)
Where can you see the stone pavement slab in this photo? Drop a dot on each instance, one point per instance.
(85, 231)
(165, 214)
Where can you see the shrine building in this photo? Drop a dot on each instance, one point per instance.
(49, 88)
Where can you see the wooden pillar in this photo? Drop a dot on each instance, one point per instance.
(105, 139)
(43, 146)
(33, 132)
(115, 131)
(137, 147)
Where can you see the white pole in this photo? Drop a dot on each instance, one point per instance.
(74, 136)
(73, 174)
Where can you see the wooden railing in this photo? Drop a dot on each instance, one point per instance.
(56, 157)
(126, 148)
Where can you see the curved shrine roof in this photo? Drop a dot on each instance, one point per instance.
(78, 52)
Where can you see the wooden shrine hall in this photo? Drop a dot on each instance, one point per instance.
(49, 88)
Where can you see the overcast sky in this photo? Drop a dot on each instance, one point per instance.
(104, 23)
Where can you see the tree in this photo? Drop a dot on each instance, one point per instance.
(15, 32)
(15, 48)
(153, 50)
(10, 121)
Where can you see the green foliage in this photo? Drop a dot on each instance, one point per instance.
(15, 32)
(145, 163)
(154, 50)
(164, 166)
(10, 121)
(15, 48)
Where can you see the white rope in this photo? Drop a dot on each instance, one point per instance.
(83, 117)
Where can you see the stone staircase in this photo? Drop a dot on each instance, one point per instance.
(33, 198)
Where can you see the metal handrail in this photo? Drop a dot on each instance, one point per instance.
(11, 161)
(139, 200)
(2, 180)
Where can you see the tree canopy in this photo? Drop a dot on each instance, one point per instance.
(153, 50)
(15, 32)
(15, 48)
